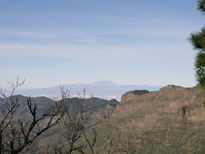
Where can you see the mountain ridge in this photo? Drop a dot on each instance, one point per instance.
(101, 89)
(170, 102)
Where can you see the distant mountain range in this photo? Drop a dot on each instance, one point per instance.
(101, 89)
(44, 104)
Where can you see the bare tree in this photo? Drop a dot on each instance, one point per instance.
(108, 145)
(7, 116)
(80, 125)
(17, 134)
(121, 141)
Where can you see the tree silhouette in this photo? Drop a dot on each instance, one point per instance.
(198, 41)
(15, 134)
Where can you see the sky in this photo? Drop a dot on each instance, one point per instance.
(53, 42)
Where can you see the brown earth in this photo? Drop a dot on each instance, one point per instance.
(171, 103)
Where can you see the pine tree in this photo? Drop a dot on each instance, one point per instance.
(198, 41)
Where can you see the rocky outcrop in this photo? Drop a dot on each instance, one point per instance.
(173, 103)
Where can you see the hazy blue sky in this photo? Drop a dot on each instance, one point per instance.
(52, 42)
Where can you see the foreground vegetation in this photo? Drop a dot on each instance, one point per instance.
(168, 121)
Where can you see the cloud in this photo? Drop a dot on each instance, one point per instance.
(117, 26)
(93, 52)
